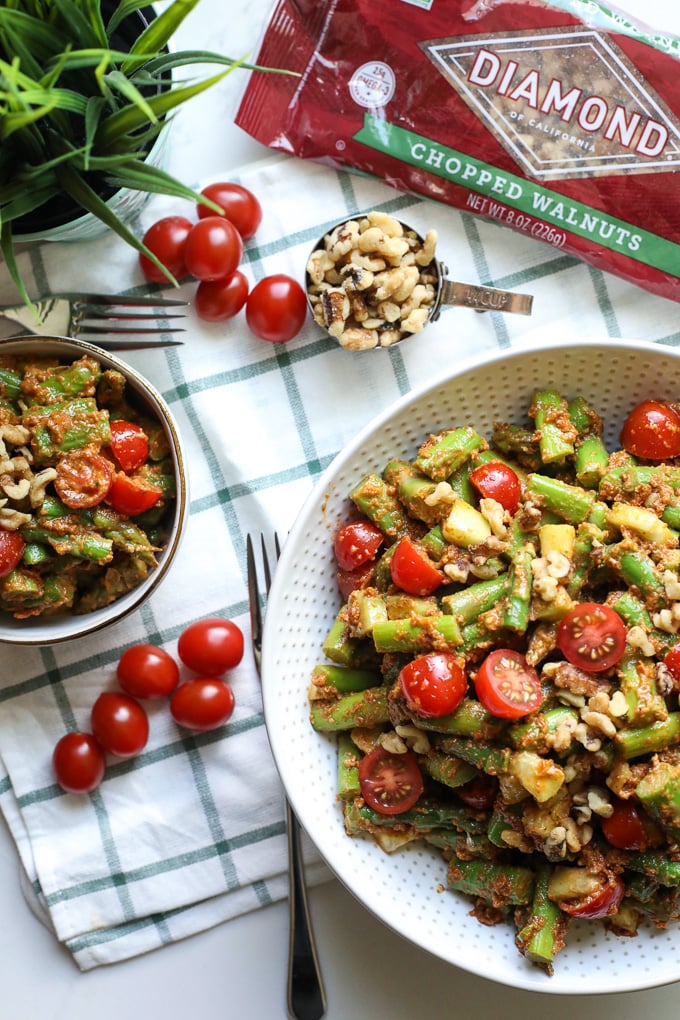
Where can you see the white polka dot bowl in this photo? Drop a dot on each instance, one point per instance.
(405, 889)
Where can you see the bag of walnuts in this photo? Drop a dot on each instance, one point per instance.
(560, 119)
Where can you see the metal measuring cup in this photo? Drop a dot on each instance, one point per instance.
(344, 299)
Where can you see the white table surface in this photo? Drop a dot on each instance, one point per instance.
(238, 970)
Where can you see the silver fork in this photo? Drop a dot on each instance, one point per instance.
(306, 998)
(109, 319)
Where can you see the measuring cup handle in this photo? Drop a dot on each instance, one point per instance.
(484, 299)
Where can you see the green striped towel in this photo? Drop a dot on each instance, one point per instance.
(191, 832)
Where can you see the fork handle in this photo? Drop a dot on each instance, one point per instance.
(306, 998)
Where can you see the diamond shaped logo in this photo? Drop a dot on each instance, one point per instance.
(563, 102)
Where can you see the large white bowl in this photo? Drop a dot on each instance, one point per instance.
(45, 630)
(403, 889)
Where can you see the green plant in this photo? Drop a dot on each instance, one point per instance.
(82, 100)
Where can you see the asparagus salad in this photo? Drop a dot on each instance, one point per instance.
(86, 481)
(503, 675)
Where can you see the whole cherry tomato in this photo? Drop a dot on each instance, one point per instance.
(276, 308)
(147, 671)
(166, 239)
(12, 548)
(240, 206)
(79, 763)
(652, 431)
(213, 249)
(218, 300)
(203, 703)
(119, 724)
(495, 480)
(129, 444)
(433, 684)
(211, 646)
(356, 543)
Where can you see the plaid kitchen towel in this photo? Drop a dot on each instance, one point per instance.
(191, 832)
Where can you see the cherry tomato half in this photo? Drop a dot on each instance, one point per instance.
(412, 569)
(507, 686)
(592, 637)
(672, 661)
(213, 249)
(218, 300)
(129, 444)
(147, 671)
(349, 580)
(12, 548)
(119, 724)
(601, 903)
(357, 543)
(83, 478)
(652, 431)
(276, 308)
(625, 828)
(211, 646)
(131, 494)
(433, 684)
(479, 793)
(390, 783)
(240, 206)
(166, 239)
(79, 763)
(203, 703)
(496, 480)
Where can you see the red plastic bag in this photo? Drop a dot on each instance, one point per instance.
(562, 124)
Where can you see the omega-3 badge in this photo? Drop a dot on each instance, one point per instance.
(564, 102)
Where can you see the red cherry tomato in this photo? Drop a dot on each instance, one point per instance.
(495, 480)
(129, 444)
(349, 580)
(211, 646)
(203, 703)
(83, 478)
(166, 239)
(390, 783)
(625, 828)
(12, 548)
(507, 686)
(479, 793)
(213, 249)
(672, 661)
(652, 431)
(218, 300)
(132, 494)
(119, 724)
(276, 308)
(433, 684)
(240, 206)
(78, 762)
(592, 637)
(412, 569)
(146, 671)
(356, 543)
(601, 903)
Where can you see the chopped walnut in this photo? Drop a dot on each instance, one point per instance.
(390, 268)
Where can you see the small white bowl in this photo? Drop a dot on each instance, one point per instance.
(38, 630)
(403, 889)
